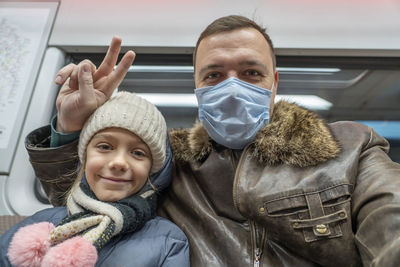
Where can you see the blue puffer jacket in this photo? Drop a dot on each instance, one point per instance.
(158, 243)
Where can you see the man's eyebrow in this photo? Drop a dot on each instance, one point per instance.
(254, 63)
(208, 67)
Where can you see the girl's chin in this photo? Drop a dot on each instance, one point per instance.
(111, 197)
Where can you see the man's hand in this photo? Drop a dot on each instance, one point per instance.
(86, 88)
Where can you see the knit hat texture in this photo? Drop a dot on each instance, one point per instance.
(128, 111)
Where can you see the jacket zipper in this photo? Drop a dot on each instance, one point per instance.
(258, 243)
(236, 171)
(257, 240)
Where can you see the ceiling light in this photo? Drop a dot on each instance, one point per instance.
(171, 100)
(150, 68)
(291, 70)
(312, 102)
(190, 69)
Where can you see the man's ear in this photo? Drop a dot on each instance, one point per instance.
(276, 77)
(274, 91)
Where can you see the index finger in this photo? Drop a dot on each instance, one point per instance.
(109, 60)
(73, 82)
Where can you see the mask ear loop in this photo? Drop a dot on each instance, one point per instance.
(272, 87)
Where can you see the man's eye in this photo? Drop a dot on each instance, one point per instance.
(252, 73)
(213, 75)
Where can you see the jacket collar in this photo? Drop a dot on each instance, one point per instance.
(294, 136)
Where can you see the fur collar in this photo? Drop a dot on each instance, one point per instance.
(294, 136)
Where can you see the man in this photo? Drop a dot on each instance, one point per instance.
(255, 184)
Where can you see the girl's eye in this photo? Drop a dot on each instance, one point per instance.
(138, 153)
(104, 146)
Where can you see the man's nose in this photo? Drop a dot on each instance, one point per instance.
(232, 74)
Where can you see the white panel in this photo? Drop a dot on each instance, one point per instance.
(20, 183)
(24, 31)
(307, 24)
(4, 208)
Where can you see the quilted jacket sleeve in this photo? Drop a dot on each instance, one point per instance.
(178, 254)
(53, 215)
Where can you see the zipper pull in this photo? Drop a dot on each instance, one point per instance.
(257, 254)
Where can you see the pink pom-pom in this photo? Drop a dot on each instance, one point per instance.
(29, 244)
(74, 252)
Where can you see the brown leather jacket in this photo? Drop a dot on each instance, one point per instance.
(303, 194)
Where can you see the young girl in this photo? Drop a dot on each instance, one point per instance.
(109, 218)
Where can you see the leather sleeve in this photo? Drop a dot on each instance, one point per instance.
(54, 167)
(376, 205)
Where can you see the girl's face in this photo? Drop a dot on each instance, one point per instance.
(118, 163)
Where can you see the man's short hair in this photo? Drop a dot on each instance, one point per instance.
(230, 23)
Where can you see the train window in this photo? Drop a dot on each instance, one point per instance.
(337, 88)
(365, 89)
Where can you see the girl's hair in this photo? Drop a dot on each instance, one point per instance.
(79, 174)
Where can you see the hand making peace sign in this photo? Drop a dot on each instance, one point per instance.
(85, 88)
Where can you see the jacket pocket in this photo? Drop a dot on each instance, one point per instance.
(322, 227)
(315, 215)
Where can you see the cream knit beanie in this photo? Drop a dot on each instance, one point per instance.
(128, 111)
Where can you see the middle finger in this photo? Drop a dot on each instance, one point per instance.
(109, 60)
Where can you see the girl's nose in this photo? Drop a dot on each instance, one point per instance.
(118, 162)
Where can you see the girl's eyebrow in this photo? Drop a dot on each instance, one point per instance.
(104, 135)
(137, 142)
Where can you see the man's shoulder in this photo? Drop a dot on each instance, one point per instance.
(351, 125)
(343, 130)
(352, 134)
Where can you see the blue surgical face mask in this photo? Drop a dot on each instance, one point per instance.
(233, 111)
